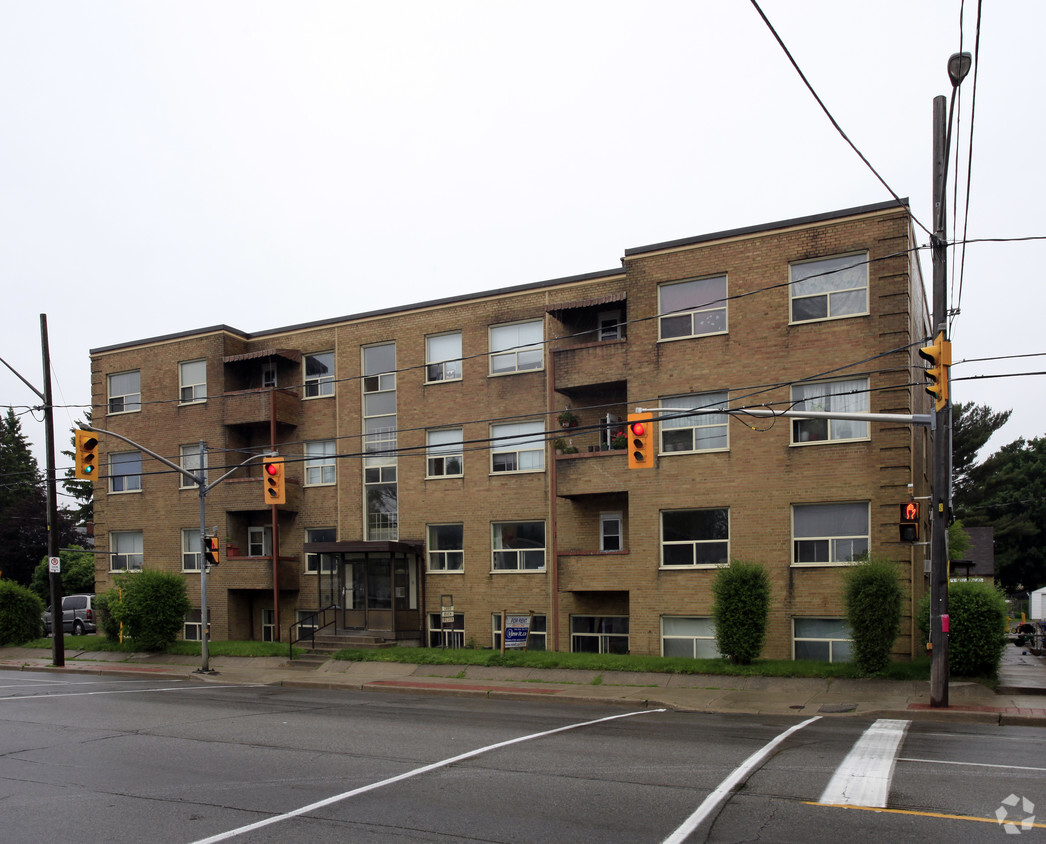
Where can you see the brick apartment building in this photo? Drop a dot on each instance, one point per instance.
(422, 448)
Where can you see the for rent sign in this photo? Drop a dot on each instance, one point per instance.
(517, 630)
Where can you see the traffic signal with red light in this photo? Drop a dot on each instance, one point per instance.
(86, 455)
(212, 550)
(274, 481)
(639, 432)
(940, 357)
(909, 524)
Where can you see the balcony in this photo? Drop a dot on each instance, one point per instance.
(590, 364)
(597, 572)
(591, 472)
(236, 572)
(246, 495)
(252, 407)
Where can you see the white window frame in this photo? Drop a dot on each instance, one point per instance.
(129, 402)
(695, 633)
(838, 544)
(126, 550)
(444, 453)
(708, 318)
(603, 635)
(189, 459)
(455, 634)
(445, 560)
(259, 538)
(321, 467)
(318, 385)
(610, 326)
(192, 629)
(836, 279)
(438, 366)
(320, 563)
(699, 425)
(696, 544)
(268, 625)
(514, 444)
(121, 482)
(192, 550)
(512, 352)
(607, 520)
(191, 390)
(848, 395)
(841, 644)
(502, 555)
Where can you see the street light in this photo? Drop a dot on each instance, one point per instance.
(959, 65)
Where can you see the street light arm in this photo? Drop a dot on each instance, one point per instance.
(208, 487)
(142, 448)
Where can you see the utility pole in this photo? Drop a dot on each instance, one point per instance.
(54, 578)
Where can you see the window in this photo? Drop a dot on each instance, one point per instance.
(320, 563)
(610, 536)
(125, 392)
(692, 638)
(695, 537)
(307, 623)
(191, 550)
(849, 396)
(125, 550)
(443, 357)
(692, 308)
(319, 375)
(259, 541)
(382, 493)
(190, 462)
(320, 466)
(829, 288)
(518, 546)
(599, 634)
(517, 347)
(192, 631)
(269, 375)
(125, 471)
(610, 327)
(446, 547)
(444, 453)
(538, 632)
(380, 485)
(192, 376)
(268, 625)
(699, 431)
(829, 533)
(517, 447)
(824, 639)
(446, 634)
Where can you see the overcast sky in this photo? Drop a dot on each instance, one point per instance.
(166, 166)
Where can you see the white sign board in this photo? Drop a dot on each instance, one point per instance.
(54, 565)
(517, 629)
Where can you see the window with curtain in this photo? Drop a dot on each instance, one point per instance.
(698, 431)
(850, 396)
(826, 534)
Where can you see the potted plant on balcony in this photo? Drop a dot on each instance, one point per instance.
(567, 419)
(619, 441)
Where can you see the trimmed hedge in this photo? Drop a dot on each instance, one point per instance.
(20, 612)
(741, 609)
(874, 598)
(977, 628)
(151, 605)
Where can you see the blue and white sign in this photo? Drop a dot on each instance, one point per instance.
(517, 629)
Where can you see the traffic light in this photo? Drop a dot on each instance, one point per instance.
(640, 441)
(909, 524)
(273, 478)
(940, 357)
(212, 550)
(86, 455)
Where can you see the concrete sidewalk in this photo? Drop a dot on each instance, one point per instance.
(1020, 697)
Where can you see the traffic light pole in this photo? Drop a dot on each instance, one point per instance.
(198, 478)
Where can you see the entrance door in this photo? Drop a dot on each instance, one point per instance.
(368, 594)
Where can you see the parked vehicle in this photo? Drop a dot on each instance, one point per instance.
(78, 615)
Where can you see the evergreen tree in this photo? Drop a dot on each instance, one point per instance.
(19, 471)
(972, 426)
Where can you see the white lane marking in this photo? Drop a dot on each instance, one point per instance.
(969, 764)
(232, 833)
(129, 691)
(863, 779)
(724, 789)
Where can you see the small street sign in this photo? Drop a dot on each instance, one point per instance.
(54, 565)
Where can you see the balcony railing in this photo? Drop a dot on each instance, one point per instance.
(254, 407)
(590, 364)
(239, 572)
(247, 495)
(595, 572)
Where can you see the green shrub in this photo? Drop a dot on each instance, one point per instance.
(977, 628)
(106, 623)
(873, 609)
(77, 574)
(741, 608)
(20, 611)
(152, 607)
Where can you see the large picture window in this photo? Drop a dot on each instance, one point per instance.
(446, 547)
(518, 347)
(518, 546)
(517, 447)
(599, 634)
(443, 357)
(829, 288)
(824, 639)
(829, 533)
(692, 308)
(849, 396)
(695, 537)
(697, 431)
(693, 638)
(125, 392)
(126, 550)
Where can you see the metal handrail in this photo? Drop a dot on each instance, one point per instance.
(314, 629)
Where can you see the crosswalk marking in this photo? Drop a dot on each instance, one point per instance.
(863, 779)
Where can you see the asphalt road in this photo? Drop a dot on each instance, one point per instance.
(118, 760)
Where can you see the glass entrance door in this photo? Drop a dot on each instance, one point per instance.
(368, 594)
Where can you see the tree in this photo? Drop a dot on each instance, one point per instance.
(972, 426)
(20, 612)
(77, 574)
(19, 472)
(82, 491)
(873, 609)
(741, 608)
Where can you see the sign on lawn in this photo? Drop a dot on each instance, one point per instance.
(517, 630)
